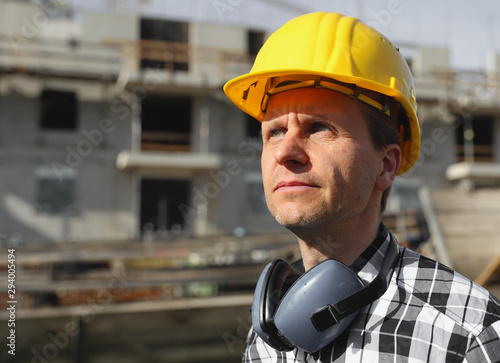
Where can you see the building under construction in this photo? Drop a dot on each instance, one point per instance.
(132, 193)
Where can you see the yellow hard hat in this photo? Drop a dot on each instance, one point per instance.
(340, 53)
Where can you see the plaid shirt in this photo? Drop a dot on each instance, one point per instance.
(429, 313)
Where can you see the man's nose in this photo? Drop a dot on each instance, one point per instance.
(290, 151)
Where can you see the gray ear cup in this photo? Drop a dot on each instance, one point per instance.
(273, 283)
(325, 284)
(311, 310)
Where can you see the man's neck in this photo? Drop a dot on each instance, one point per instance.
(343, 244)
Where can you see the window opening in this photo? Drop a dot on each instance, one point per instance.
(255, 42)
(160, 215)
(58, 110)
(164, 44)
(475, 133)
(55, 194)
(166, 123)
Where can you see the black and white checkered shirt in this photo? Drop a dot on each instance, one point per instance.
(429, 313)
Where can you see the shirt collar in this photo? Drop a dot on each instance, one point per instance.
(369, 263)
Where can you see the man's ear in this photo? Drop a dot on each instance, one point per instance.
(390, 165)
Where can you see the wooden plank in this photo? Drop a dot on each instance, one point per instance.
(135, 307)
(241, 274)
(182, 331)
(108, 250)
(490, 272)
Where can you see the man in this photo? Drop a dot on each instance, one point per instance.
(338, 111)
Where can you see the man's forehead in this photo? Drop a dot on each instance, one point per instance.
(317, 103)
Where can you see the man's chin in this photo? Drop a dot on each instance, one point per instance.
(299, 223)
(294, 223)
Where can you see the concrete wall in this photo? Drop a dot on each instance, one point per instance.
(209, 63)
(102, 27)
(218, 36)
(24, 21)
(437, 152)
(102, 207)
(21, 19)
(493, 65)
(430, 59)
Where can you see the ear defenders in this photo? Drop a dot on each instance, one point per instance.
(311, 310)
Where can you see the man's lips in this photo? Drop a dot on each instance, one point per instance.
(293, 186)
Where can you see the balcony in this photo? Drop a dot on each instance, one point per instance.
(59, 58)
(161, 163)
(472, 174)
(164, 63)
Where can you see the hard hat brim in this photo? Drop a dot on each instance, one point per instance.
(247, 91)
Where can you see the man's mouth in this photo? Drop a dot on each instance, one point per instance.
(290, 186)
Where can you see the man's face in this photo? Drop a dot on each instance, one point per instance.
(319, 165)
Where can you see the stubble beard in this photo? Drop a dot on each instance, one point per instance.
(312, 225)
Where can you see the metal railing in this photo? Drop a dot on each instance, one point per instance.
(437, 239)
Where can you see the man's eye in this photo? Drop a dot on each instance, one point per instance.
(276, 132)
(319, 127)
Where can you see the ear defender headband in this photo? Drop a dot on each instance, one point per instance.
(311, 310)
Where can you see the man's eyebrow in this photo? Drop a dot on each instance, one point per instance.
(328, 118)
(269, 123)
(320, 117)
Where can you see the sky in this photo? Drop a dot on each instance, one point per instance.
(469, 29)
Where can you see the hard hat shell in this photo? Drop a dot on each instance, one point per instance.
(338, 47)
